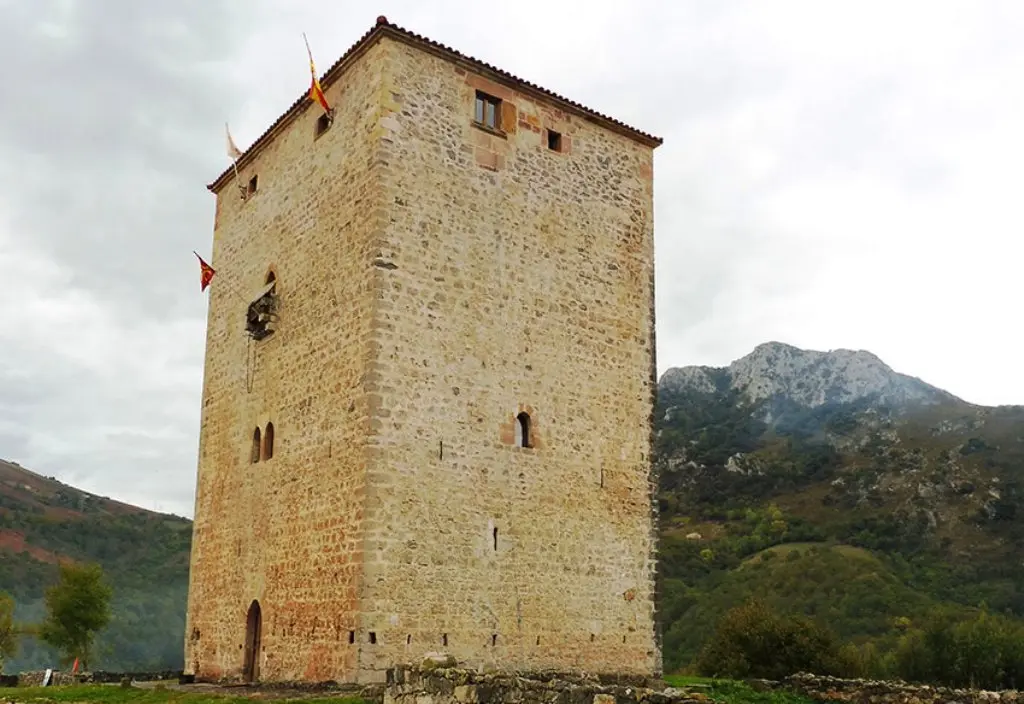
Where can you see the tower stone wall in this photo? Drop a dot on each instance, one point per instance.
(440, 286)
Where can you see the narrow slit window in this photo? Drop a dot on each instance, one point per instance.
(408, 639)
(255, 455)
(351, 637)
(494, 640)
(373, 637)
(444, 639)
(268, 442)
(523, 430)
(494, 538)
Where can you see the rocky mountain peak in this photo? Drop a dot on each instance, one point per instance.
(809, 378)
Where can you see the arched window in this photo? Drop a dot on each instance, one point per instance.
(255, 456)
(523, 430)
(268, 442)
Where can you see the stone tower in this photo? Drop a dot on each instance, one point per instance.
(428, 429)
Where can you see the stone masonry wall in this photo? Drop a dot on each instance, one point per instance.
(833, 689)
(434, 280)
(453, 686)
(288, 531)
(518, 279)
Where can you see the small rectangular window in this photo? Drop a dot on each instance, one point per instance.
(323, 123)
(488, 111)
(554, 141)
(253, 182)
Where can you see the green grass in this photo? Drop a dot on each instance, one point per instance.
(731, 692)
(114, 694)
(784, 549)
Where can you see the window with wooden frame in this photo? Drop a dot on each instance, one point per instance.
(487, 112)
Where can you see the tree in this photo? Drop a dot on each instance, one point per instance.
(77, 607)
(8, 634)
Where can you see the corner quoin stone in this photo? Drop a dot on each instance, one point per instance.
(416, 253)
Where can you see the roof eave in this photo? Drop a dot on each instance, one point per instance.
(383, 28)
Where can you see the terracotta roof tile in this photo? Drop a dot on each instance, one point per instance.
(384, 28)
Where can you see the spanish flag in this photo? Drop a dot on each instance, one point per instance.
(316, 93)
(206, 272)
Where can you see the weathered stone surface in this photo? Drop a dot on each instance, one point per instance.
(524, 688)
(434, 281)
(832, 689)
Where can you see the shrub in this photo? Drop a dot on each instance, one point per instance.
(753, 641)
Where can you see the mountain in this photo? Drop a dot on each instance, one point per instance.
(886, 497)
(809, 378)
(144, 555)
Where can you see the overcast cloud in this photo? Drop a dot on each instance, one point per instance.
(834, 174)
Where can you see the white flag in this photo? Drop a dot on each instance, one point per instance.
(233, 151)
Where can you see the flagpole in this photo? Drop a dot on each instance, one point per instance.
(234, 152)
(231, 288)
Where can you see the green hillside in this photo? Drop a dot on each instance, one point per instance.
(869, 518)
(144, 555)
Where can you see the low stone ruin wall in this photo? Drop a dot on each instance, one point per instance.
(452, 686)
(832, 689)
(35, 679)
(441, 685)
(61, 678)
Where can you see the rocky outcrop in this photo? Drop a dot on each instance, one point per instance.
(809, 378)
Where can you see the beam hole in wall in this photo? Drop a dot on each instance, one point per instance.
(591, 637)
(351, 637)
(523, 430)
(373, 637)
(538, 640)
(254, 456)
(623, 639)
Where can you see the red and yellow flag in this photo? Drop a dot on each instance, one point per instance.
(206, 272)
(316, 93)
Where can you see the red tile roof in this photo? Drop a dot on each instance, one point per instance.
(384, 28)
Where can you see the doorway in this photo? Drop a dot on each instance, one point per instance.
(253, 627)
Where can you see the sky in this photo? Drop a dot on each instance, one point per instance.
(835, 174)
